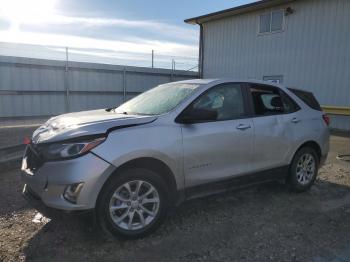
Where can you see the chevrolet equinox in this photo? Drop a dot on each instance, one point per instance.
(177, 141)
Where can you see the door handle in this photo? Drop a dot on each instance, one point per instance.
(295, 120)
(242, 127)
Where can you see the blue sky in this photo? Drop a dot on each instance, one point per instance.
(113, 31)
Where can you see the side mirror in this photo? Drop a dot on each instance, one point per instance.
(197, 115)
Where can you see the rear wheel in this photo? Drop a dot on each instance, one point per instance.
(303, 169)
(133, 204)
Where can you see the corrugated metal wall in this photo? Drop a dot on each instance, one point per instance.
(33, 87)
(312, 53)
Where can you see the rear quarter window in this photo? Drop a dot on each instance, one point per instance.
(307, 97)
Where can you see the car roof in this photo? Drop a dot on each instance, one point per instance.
(197, 81)
(225, 80)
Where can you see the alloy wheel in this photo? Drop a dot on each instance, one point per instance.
(305, 169)
(134, 205)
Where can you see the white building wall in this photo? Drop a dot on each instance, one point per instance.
(312, 52)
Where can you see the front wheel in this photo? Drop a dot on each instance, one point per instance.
(133, 204)
(303, 169)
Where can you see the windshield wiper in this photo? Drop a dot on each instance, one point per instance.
(123, 112)
(114, 108)
(129, 113)
(110, 109)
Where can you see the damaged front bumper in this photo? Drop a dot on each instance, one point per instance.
(47, 184)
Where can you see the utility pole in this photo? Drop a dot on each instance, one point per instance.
(152, 58)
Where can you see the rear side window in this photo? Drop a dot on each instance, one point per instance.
(307, 97)
(268, 100)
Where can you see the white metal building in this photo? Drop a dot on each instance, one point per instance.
(301, 43)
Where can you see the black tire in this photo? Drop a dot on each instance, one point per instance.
(102, 208)
(293, 181)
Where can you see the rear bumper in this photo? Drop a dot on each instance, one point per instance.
(46, 185)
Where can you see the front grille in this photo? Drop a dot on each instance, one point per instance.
(33, 159)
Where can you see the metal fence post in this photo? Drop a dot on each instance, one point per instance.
(172, 70)
(66, 82)
(152, 58)
(124, 84)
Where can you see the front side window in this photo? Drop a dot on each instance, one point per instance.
(158, 100)
(270, 101)
(271, 21)
(225, 100)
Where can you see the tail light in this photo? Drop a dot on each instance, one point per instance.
(326, 119)
(26, 140)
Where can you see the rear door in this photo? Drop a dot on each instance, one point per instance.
(220, 149)
(313, 121)
(275, 119)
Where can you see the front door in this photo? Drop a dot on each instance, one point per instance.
(219, 149)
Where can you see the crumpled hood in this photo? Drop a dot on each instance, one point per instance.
(84, 123)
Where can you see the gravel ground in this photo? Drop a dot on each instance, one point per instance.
(262, 223)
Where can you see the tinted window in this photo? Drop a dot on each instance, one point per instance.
(269, 100)
(226, 100)
(289, 105)
(307, 97)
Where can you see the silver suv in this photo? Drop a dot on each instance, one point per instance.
(177, 141)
